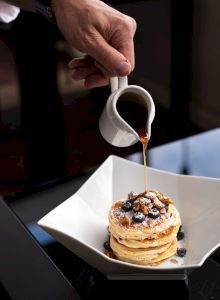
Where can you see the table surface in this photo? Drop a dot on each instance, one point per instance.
(196, 155)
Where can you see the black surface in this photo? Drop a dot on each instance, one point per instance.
(181, 66)
(26, 271)
(203, 283)
(91, 284)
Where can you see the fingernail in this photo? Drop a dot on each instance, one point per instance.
(123, 68)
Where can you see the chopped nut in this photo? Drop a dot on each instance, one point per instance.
(132, 195)
(160, 196)
(146, 210)
(143, 205)
(145, 201)
(136, 206)
(163, 211)
(118, 204)
(150, 205)
(151, 195)
(166, 200)
(157, 203)
(125, 221)
(174, 261)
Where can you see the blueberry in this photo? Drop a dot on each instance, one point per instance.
(138, 217)
(181, 252)
(154, 213)
(107, 246)
(126, 206)
(180, 234)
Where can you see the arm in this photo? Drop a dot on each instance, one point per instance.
(95, 28)
(102, 32)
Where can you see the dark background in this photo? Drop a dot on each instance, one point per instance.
(49, 123)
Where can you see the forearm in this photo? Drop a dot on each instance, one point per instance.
(23, 4)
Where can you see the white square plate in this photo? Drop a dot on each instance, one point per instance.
(80, 223)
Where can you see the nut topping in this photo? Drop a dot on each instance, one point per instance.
(143, 205)
(132, 195)
(157, 203)
(163, 210)
(150, 195)
(167, 200)
(136, 206)
(125, 221)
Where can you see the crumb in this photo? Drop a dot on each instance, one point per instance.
(174, 261)
(110, 254)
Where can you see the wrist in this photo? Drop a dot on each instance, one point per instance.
(43, 8)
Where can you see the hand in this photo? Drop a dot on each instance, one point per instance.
(100, 31)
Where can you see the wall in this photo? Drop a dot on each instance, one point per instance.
(205, 108)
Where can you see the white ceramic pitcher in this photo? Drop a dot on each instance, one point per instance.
(113, 127)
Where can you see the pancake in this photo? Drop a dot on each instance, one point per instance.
(141, 257)
(121, 224)
(168, 237)
(143, 228)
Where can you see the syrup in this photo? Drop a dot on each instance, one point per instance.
(135, 114)
(144, 140)
(130, 109)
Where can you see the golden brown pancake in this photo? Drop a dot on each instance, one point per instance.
(143, 228)
(141, 257)
(122, 224)
(167, 237)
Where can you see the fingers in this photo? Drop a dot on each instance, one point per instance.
(115, 62)
(95, 74)
(123, 40)
(102, 69)
(127, 48)
(96, 80)
(116, 54)
(81, 62)
(102, 32)
(83, 72)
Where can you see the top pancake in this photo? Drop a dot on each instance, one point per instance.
(122, 224)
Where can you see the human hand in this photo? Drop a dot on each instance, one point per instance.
(100, 31)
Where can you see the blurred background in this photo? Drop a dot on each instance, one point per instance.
(49, 123)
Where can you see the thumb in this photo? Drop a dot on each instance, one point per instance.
(113, 61)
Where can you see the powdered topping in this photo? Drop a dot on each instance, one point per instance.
(147, 209)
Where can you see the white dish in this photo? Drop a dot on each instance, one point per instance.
(80, 222)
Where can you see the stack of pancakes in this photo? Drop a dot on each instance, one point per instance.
(143, 228)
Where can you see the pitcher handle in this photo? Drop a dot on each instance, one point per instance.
(118, 82)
